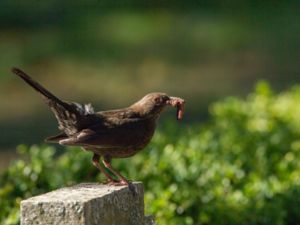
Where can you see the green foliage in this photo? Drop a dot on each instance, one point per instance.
(241, 167)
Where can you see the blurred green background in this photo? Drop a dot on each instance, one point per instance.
(111, 53)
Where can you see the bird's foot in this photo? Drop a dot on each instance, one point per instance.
(131, 187)
(118, 182)
(111, 181)
(123, 182)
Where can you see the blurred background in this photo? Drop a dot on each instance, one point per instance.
(112, 53)
(236, 160)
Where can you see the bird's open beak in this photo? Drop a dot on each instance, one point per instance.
(179, 104)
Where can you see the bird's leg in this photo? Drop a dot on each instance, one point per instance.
(97, 164)
(107, 163)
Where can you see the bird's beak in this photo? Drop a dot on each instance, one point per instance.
(179, 104)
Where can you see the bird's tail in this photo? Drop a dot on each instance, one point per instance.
(68, 115)
(45, 93)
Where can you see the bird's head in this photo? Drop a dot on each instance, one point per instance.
(153, 104)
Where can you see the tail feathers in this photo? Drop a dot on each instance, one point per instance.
(35, 85)
(71, 116)
(56, 138)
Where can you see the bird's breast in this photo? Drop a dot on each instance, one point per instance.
(138, 136)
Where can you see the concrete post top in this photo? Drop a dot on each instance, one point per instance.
(83, 192)
(87, 204)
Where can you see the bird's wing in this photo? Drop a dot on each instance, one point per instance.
(113, 133)
(88, 137)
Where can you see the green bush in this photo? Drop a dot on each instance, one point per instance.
(240, 167)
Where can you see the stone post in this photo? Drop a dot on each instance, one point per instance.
(87, 204)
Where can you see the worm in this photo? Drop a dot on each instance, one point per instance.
(180, 110)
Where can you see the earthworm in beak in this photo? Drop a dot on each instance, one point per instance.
(179, 104)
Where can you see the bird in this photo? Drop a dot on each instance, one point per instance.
(118, 133)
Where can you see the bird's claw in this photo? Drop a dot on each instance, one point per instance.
(110, 181)
(131, 187)
(116, 182)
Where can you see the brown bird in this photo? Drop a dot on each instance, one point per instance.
(109, 134)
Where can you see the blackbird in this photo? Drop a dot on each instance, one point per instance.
(109, 134)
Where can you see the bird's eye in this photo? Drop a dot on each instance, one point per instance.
(165, 98)
(157, 100)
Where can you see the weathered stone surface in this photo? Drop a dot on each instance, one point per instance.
(86, 204)
(149, 220)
